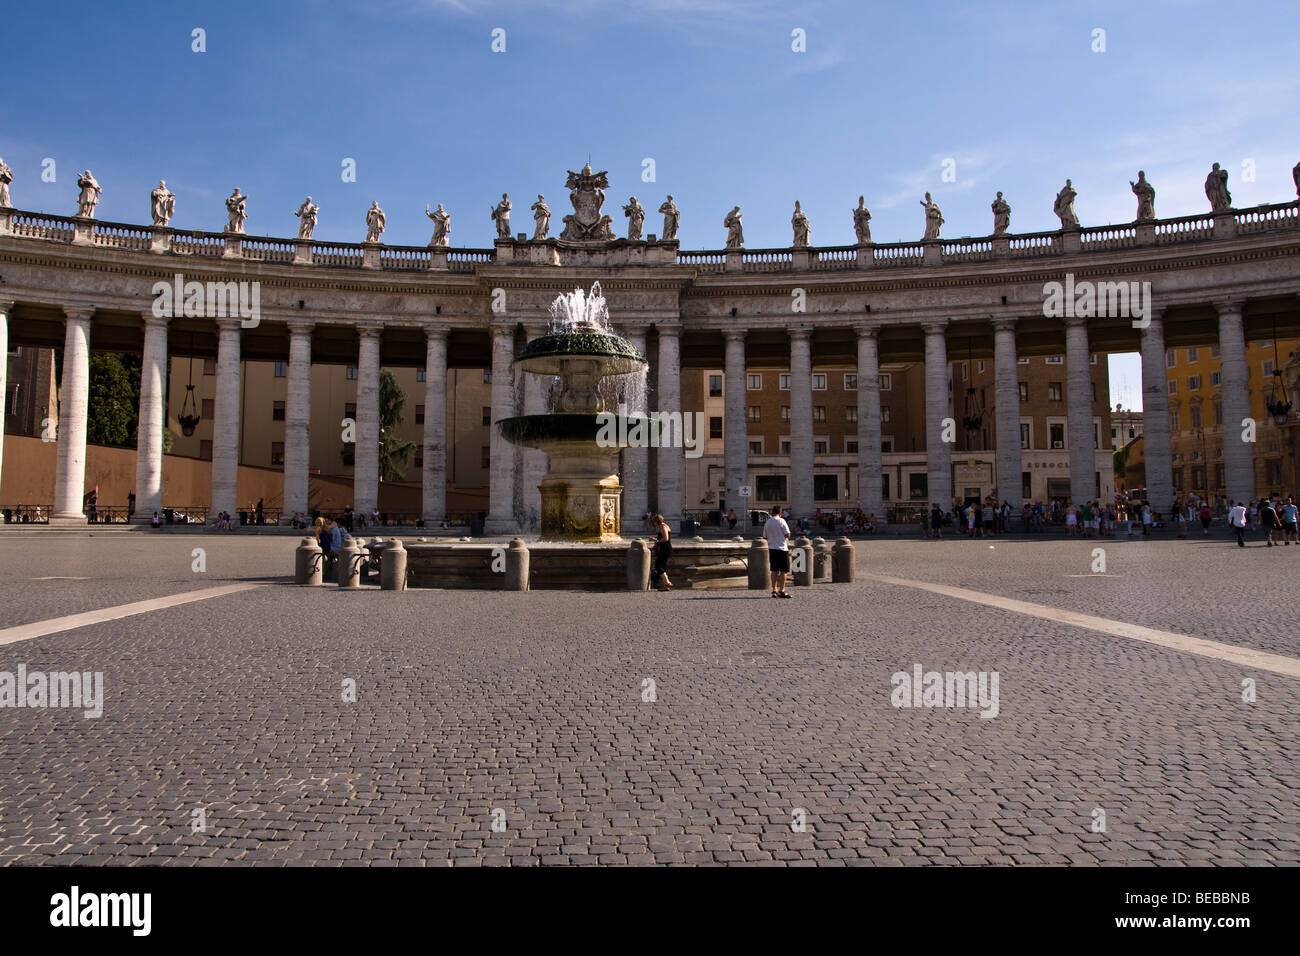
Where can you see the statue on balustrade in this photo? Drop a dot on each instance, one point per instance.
(587, 194)
(1146, 195)
(1216, 189)
(735, 234)
(671, 218)
(802, 231)
(306, 214)
(635, 213)
(541, 217)
(862, 221)
(375, 222)
(933, 218)
(162, 204)
(501, 216)
(236, 212)
(1295, 174)
(88, 199)
(1001, 216)
(1064, 207)
(441, 225)
(6, 177)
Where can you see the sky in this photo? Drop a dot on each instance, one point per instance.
(706, 99)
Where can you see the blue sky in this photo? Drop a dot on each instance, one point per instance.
(711, 90)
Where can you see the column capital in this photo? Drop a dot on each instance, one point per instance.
(633, 328)
(368, 330)
(867, 330)
(300, 327)
(503, 329)
(534, 330)
(229, 324)
(734, 335)
(934, 326)
(154, 321)
(1075, 321)
(668, 328)
(1005, 324)
(6, 306)
(800, 333)
(1229, 305)
(79, 313)
(435, 330)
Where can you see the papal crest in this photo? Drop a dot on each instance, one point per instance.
(587, 193)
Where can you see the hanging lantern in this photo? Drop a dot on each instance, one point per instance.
(189, 416)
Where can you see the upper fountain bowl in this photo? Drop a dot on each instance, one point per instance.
(556, 352)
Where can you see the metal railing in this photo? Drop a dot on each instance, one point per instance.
(26, 514)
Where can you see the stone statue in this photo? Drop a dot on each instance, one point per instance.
(799, 221)
(635, 213)
(1295, 174)
(235, 212)
(6, 177)
(1216, 189)
(735, 234)
(501, 216)
(441, 225)
(306, 214)
(89, 196)
(933, 218)
(542, 217)
(587, 194)
(1064, 207)
(862, 221)
(162, 203)
(1001, 216)
(671, 218)
(1146, 195)
(375, 222)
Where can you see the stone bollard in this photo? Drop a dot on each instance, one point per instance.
(392, 566)
(516, 576)
(842, 562)
(349, 564)
(801, 562)
(638, 565)
(759, 571)
(821, 560)
(308, 562)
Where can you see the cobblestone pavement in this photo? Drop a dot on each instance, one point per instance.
(765, 712)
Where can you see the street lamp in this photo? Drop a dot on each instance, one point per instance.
(1276, 405)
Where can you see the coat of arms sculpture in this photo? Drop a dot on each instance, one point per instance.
(587, 193)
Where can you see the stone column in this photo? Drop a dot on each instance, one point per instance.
(365, 471)
(1006, 393)
(501, 488)
(5, 308)
(636, 461)
(735, 429)
(1083, 460)
(938, 451)
(870, 490)
(74, 392)
(670, 400)
(297, 423)
(801, 424)
(534, 460)
(151, 421)
(1238, 455)
(225, 422)
(434, 506)
(1155, 417)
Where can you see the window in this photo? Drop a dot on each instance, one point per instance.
(1114, 434)
(1173, 421)
(884, 414)
(770, 487)
(851, 447)
(419, 456)
(819, 448)
(1173, 386)
(350, 410)
(1057, 433)
(1214, 351)
(783, 381)
(1268, 368)
(819, 413)
(1024, 434)
(850, 381)
(419, 414)
(826, 487)
(754, 413)
(785, 413)
(1178, 479)
(1024, 391)
(1055, 360)
(487, 376)
(485, 457)
(1198, 478)
(715, 386)
(715, 426)
(1193, 354)
(205, 449)
(1053, 391)
(886, 446)
(209, 409)
(277, 411)
(918, 485)
(819, 381)
(1216, 378)
(754, 382)
(756, 446)
(1195, 412)
(281, 369)
(981, 366)
(1096, 435)
(1171, 358)
(785, 446)
(487, 415)
(421, 374)
(1219, 474)
(352, 373)
(850, 413)
(1193, 383)
(277, 453)
(1023, 361)
(1092, 359)
(209, 366)
(1094, 391)
(886, 382)
(965, 371)
(884, 487)
(1218, 413)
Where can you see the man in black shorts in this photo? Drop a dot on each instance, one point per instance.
(777, 534)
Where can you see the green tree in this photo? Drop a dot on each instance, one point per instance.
(1121, 461)
(394, 453)
(114, 399)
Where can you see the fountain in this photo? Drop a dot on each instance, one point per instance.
(591, 369)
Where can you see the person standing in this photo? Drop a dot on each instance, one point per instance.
(1237, 520)
(1146, 520)
(1269, 520)
(1205, 517)
(663, 551)
(1289, 512)
(988, 518)
(936, 521)
(777, 534)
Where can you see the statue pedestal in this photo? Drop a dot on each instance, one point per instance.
(370, 255)
(1146, 232)
(5, 216)
(438, 258)
(581, 496)
(933, 255)
(866, 254)
(801, 258)
(735, 261)
(161, 240)
(234, 246)
(302, 252)
(83, 233)
(1225, 225)
(1070, 241)
(1001, 247)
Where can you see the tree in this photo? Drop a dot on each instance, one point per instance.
(1121, 461)
(113, 401)
(394, 453)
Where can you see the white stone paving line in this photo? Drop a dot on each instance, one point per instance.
(25, 632)
(1245, 656)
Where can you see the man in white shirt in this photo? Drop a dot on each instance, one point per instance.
(1237, 521)
(777, 534)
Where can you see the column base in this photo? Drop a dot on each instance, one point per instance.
(68, 520)
(499, 526)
